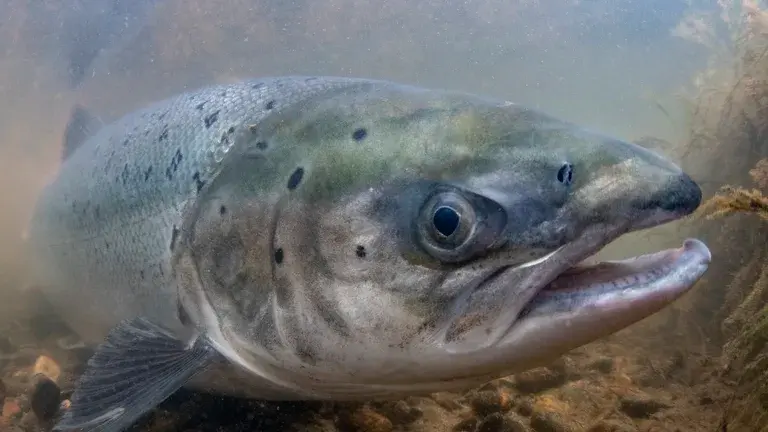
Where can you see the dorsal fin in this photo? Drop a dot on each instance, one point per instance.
(82, 125)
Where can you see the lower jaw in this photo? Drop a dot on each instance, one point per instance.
(591, 281)
(589, 302)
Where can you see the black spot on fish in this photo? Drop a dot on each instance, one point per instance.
(200, 106)
(223, 94)
(198, 182)
(305, 352)
(222, 210)
(174, 166)
(359, 134)
(225, 136)
(125, 175)
(360, 251)
(270, 105)
(182, 314)
(261, 145)
(174, 236)
(142, 275)
(126, 142)
(295, 178)
(211, 119)
(97, 212)
(162, 116)
(147, 173)
(107, 245)
(164, 134)
(279, 255)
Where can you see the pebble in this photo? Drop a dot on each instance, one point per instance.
(447, 401)
(525, 407)
(365, 419)
(399, 412)
(11, 408)
(45, 398)
(488, 402)
(498, 422)
(604, 365)
(543, 421)
(640, 406)
(539, 379)
(466, 425)
(611, 426)
(48, 367)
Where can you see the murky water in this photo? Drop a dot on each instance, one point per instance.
(630, 69)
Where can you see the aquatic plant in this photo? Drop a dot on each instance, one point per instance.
(729, 132)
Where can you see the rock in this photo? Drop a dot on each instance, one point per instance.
(488, 402)
(30, 423)
(11, 408)
(447, 401)
(48, 367)
(399, 412)
(603, 364)
(45, 398)
(611, 426)
(365, 419)
(539, 379)
(2, 391)
(543, 421)
(16, 384)
(640, 406)
(517, 423)
(525, 407)
(500, 423)
(466, 425)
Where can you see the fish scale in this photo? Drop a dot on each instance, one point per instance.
(122, 192)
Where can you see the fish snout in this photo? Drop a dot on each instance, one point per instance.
(680, 196)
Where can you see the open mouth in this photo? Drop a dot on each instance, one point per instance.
(587, 300)
(660, 276)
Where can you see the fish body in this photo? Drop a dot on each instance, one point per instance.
(339, 238)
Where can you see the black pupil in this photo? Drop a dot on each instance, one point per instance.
(446, 220)
(565, 174)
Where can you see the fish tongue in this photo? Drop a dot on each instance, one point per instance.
(139, 366)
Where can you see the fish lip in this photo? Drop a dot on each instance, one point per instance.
(659, 277)
(581, 286)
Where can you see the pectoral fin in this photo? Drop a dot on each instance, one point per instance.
(138, 367)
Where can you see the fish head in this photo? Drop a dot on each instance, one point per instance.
(395, 239)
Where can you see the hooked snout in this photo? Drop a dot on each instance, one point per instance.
(680, 196)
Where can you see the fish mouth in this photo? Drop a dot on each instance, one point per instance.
(595, 300)
(583, 303)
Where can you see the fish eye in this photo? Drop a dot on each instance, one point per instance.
(449, 220)
(565, 174)
(446, 220)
